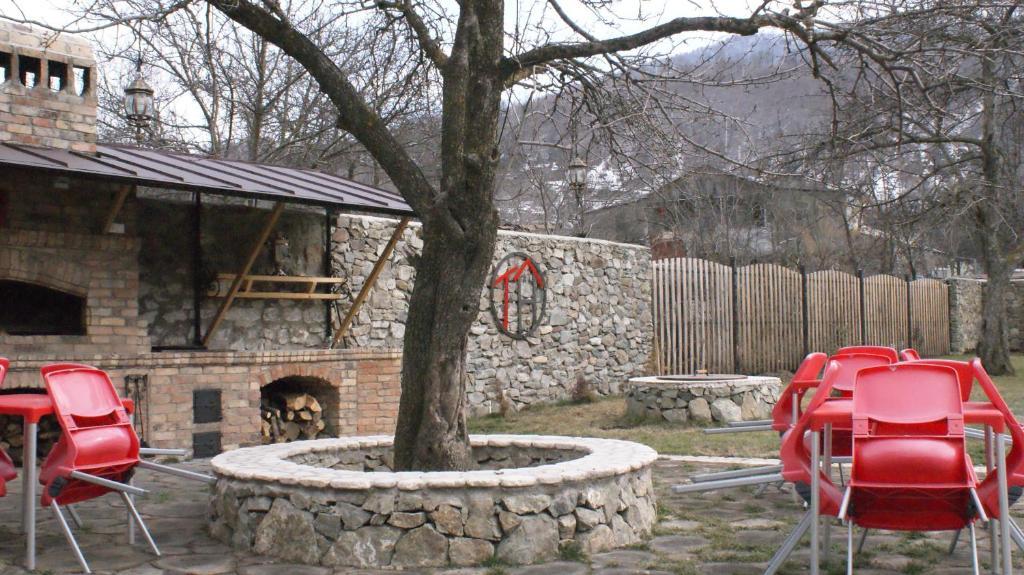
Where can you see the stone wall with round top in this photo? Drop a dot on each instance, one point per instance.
(685, 399)
(335, 502)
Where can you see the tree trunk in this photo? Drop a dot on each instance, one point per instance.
(994, 345)
(459, 233)
(431, 431)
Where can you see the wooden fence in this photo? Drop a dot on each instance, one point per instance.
(764, 317)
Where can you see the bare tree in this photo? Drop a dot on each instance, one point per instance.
(466, 55)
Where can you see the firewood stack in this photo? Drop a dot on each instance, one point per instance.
(290, 416)
(12, 437)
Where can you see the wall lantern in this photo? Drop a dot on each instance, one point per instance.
(138, 103)
(577, 173)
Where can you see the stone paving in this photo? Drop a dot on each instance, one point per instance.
(721, 533)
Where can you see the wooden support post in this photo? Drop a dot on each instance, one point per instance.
(370, 281)
(237, 283)
(115, 209)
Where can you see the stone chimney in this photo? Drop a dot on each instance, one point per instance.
(47, 89)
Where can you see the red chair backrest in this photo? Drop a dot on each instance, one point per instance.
(882, 350)
(851, 363)
(807, 373)
(97, 434)
(988, 491)
(909, 354)
(964, 373)
(796, 459)
(50, 368)
(910, 466)
(5, 365)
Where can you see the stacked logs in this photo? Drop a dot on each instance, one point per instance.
(289, 416)
(12, 436)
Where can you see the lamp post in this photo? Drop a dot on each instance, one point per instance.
(138, 103)
(576, 176)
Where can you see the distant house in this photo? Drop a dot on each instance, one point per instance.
(717, 215)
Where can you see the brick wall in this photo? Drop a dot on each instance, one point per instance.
(36, 111)
(364, 383)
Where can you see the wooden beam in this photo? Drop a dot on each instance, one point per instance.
(115, 209)
(237, 283)
(369, 283)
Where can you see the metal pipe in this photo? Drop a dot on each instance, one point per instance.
(849, 546)
(826, 544)
(975, 564)
(977, 503)
(114, 485)
(815, 501)
(1004, 505)
(789, 544)
(732, 474)
(1016, 534)
(178, 472)
(751, 422)
(845, 504)
(69, 536)
(28, 472)
(138, 521)
(727, 483)
(863, 539)
(75, 517)
(956, 539)
(743, 429)
(993, 533)
(161, 451)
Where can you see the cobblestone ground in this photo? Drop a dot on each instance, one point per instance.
(722, 533)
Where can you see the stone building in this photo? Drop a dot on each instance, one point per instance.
(199, 284)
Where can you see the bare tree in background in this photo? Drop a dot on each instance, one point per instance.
(463, 53)
(932, 98)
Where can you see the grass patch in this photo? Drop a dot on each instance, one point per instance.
(571, 551)
(606, 418)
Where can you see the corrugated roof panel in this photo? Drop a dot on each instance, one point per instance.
(172, 170)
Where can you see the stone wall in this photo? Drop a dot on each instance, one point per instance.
(725, 401)
(964, 314)
(325, 508)
(965, 303)
(228, 230)
(598, 319)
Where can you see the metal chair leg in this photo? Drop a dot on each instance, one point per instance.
(138, 521)
(952, 544)
(75, 517)
(69, 536)
(789, 544)
(815, 502)
(1004, 505)
(863, 538)
(974, 550)
(849, 548)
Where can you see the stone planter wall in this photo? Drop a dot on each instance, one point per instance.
(702, 402)
(334, 502)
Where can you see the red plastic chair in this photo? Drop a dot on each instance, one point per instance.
(98, 449)
(911, 471)
(909, 354)
(889, 352)
(806, 377)
(7, 470)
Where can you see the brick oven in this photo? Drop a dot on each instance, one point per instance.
(168, 271)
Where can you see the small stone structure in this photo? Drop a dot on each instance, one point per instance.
(702, 399)
(335, 502)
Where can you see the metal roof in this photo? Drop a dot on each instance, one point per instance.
(173, 170)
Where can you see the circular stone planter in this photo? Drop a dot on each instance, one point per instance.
(335, 502)
(702, 398)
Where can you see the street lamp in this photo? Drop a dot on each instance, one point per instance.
(138, 102)
(576, 176)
